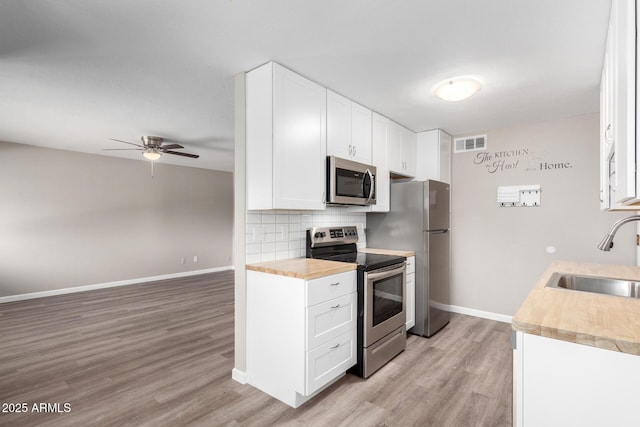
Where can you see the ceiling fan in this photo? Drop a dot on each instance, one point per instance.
(153, 148)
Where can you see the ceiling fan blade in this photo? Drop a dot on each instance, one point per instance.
(193, 156)
(170, 146)
(122, 149)
(130, 143)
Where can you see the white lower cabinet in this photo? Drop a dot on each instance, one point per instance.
(411, 292)
(559, 383)
(301, 334)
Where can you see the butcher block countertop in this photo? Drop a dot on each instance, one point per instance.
(604, 321)
(387, 252)
(302, 268)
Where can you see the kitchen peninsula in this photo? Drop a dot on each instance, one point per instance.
(576, 360)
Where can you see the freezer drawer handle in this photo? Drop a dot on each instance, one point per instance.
(439, 231)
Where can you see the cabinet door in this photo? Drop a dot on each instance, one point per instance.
(360, 133)
(395, 161)
(624, 36)
(338, 125)
(428, 155)
(329, 287)
(624, 56)
(299, 141)
(409, 143)
(605, 128)
(379, 160)
(327, 320)
(328, 361)
(557, 384)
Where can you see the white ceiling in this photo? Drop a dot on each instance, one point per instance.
(74, 73)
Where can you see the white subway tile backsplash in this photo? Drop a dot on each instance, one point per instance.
(253, 258)
(268, 256)
(282, 234)
(268, 247)
(254, 218)
(254, 249)
(268, 218)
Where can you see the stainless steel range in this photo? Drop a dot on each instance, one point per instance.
(381, 295)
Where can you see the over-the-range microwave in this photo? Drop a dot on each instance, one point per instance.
(350, 183)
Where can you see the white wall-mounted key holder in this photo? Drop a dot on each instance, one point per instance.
(519, 196)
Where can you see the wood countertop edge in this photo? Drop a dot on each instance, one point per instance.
(388, 252)
(602, 342)
(327, 268)
(528, 317)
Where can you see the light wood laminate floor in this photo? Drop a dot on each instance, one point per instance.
(161, 354)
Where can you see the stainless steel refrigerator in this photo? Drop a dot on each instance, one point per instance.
(419, 220)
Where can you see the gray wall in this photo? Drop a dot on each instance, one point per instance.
(69, 219)
(499, 253)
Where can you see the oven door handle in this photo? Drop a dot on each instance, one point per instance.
(387, 271)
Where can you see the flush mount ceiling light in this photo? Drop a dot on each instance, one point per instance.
(456, 88)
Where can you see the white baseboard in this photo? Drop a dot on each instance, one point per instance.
(239, 376)
(479, 313)
(83, 288)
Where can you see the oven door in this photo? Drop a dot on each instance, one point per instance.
(384, 302)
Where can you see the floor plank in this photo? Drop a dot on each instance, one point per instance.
(161, 354)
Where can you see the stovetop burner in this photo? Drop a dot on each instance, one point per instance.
(339, 244)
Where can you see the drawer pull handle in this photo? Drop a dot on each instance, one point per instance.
(334, 284)
(335, 306)
(335, 346)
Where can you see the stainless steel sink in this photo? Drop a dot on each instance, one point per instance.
(600, 285)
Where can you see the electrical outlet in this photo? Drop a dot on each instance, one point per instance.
(182, 260)
(195, 258)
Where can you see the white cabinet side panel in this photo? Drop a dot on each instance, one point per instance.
(275, 334)
(259, 128)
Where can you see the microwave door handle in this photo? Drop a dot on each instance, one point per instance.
(368, 172)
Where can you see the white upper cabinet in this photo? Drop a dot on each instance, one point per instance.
(433, 155)
(619, 155)
(409, 144)
(286, 140)
(348, 129)
(379, 127)
(395, 160)
(401, 150)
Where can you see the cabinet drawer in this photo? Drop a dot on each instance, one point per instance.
(328, 361)
(411, 264)
(330, 287)
(327, 320)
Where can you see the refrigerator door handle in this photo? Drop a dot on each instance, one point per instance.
(438, 231)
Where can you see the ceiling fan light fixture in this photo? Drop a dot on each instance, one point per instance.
(152, 155)
(457, 88)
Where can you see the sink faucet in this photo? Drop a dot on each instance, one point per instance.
(607, 242)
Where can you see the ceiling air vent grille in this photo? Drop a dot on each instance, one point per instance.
(470, 143)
